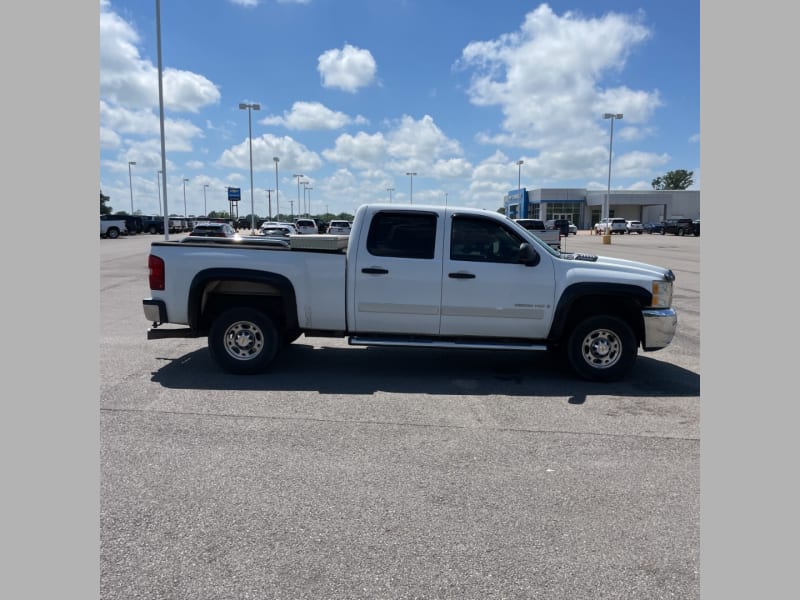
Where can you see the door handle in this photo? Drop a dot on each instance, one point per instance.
(375, 270)
(461, 275)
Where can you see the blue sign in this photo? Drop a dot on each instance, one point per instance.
(234, 194)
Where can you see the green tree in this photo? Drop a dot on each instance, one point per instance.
(104, 209)
(680, 179)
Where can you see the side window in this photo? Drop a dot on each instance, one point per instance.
(483, 240)
(402, 235)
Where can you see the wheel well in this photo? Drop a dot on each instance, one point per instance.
(626, 308)
(211, 296)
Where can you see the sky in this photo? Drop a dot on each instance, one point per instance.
(356, 94)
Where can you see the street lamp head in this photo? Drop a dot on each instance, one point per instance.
(275, 158)
(612, 116)
(131, 162)
(185, 179)
(254, 106)
(520, 162)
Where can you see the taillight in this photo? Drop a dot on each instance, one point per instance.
(156, 266)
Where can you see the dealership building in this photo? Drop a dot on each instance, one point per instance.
(584, 207)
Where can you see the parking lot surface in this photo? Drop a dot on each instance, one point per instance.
(350, 472)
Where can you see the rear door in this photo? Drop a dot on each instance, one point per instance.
(397, 284)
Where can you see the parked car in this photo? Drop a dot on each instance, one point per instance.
(573, 229)
(652, 227)
(337, 227)
(696, 227)
(635, 227)
(677, 226)
(306, 226)
(213, 230)
(280, 224)
(613, 224)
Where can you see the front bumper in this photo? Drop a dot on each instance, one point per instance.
(659, 327)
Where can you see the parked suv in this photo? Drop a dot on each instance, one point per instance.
(678, 227)
(336, 227)
(615, 225)
(306, 226)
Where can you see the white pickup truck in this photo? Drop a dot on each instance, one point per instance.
(113, 228)
(415, 276)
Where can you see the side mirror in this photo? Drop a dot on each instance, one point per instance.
(527, 255)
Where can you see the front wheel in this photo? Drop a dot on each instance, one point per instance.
(243, 341)
(602, 348)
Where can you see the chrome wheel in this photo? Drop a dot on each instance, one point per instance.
(244, 340)
(601, 348)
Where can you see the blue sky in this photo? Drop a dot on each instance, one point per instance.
(354, 94)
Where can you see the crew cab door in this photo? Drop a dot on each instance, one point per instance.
(486, 290)
(398, 274)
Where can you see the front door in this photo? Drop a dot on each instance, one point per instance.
(486, 291)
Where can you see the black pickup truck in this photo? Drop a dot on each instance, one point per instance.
(677, 227)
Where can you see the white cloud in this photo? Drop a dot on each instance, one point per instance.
(547, 78)
(293, 156)
(128, 80)
(348, 69)
(306, 116)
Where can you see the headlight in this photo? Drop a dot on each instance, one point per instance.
(662, 294)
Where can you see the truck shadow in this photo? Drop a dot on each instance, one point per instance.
(366, 370)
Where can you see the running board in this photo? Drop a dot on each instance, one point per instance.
(434, 343)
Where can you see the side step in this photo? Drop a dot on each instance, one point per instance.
(420, 342)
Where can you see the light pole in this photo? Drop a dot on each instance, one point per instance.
(250, 107)
(309, 201)
(520, 162)
(298, 175)
(301, 208)
(205, 206)
(277, 199)
(390, 190)
(130, 182)
(411, 175)
(158, 178)
(611, 116)
(185, 214)
(269, 203)
(445, 198)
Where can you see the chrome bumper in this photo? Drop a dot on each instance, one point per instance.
(659, 327)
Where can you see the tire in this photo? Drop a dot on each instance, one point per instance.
(113, 233)
(243, 341)
(681, 232)
(601, 348)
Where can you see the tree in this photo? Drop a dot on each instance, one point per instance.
(104, 210)
(680, 179)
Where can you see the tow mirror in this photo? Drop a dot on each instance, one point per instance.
(527, 255)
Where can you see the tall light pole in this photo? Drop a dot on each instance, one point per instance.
(309, 201)
(251, 107)
(445, 198)
(304, 210)
(205, 206)
(520, 162)
(277, 199)
(269, 203)
(130, 182)
(411, 175)
(611, 116)
(390, 190)
(158, 178)
(161, 116)
(298, 175)
(185, 214)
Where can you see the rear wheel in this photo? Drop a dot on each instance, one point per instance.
(243, 341)
(113, 233)
(602, 348)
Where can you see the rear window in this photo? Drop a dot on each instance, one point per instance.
(402, 235)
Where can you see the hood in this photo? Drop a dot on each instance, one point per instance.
(621, 265)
